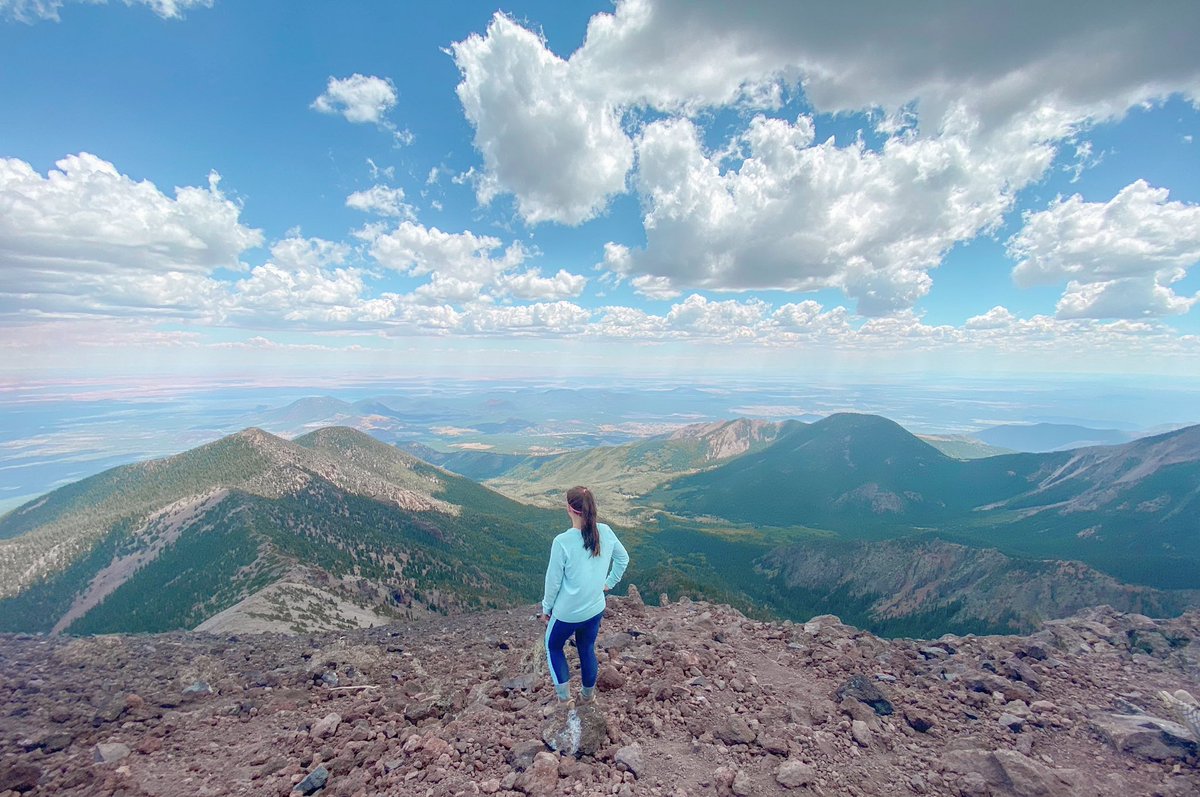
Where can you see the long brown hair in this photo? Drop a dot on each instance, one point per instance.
(583, 504)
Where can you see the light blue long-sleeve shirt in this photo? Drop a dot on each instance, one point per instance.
(575, 580)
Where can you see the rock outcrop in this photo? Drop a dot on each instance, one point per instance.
(695, 699)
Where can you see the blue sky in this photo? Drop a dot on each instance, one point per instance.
(666, 188)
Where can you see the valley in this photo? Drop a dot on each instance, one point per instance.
(849, 515)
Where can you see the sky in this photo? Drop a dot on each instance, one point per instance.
(208, 188)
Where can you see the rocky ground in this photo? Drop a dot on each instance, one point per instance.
(694, 699)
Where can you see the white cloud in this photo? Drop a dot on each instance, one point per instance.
(32, 10)
(654, 287)
(418, 250)
(441, 289)
(539, 318)
(383, 201)
(798, 216)
(1118, 257)
(998, 317)
(359, 98)
(702, 317)
(86, 238)
(532, 285)
(974, 107)
(543, 138)
(303, 282)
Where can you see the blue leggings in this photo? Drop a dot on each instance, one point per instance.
(557, 634)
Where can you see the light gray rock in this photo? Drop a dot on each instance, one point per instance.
(861, 733)
(794, 774)
(631, 756)
(108, 752)
(581, 731)
(1010, 774)
(1145, 736)
(326, 726)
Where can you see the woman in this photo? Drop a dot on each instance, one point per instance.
(576, 580)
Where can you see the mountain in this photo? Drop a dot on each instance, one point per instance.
(170, 543)
(694, 699)
(837, 473)
(900, 586)
(1132, 510)
(1129, 510)
(626, 472)
(1042, 437)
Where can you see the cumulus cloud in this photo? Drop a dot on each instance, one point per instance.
(362, 99)
(86, 238)
(532, 285)
(654, 287)
(304, 281)
(1118, 257)
(973, 107)
(794, 215)
(29, 11)
(383, 201)
(538, 318)
(418, 250)
(543, 137)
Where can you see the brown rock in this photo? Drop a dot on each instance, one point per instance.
(609, 678)
(794, 774)
(1010, 774)
(541, 779)
(734, 730)
(326, 726)
(19, 777)
(918, 719)
(773, 744)
(521, 756)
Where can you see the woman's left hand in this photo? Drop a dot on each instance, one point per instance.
(545, 619)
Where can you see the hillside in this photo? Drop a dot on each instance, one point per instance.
(625, 473)
(836, 473)
(901, 586)
(694, 699)
(169, 543)
(1129, 510)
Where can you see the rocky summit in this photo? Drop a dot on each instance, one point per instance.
(693, 699)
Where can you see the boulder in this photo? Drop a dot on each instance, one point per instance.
(19, 776)
(866, 691)
(609, 679)
(541, 779)
(631, 756)
(520, 757)
(580, 731)
(794, 774)
(1144, 736)
(326, 726)
(314, 781)
(1008, 773)
(734, 730)
(108, 752)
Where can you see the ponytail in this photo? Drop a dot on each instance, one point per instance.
(583, 504)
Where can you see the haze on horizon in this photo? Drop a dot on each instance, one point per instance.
(201, 189)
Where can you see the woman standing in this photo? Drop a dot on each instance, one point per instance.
(576, 580)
